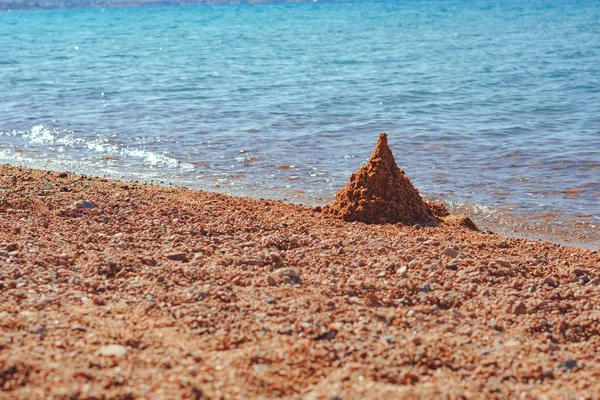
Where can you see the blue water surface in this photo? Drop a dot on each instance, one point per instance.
(486, 102)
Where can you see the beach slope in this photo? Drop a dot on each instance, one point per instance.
(122, 290)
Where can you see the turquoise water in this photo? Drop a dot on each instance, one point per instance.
(485, 103)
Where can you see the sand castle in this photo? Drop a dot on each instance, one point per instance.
(380, 192)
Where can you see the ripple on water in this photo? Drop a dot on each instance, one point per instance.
(479, 105)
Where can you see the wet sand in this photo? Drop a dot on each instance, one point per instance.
(170, 293)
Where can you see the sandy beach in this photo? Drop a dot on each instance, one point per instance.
(113, 289)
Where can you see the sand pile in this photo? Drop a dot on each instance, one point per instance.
(380, 192)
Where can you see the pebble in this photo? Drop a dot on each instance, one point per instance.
(149, 297)
(100, 300)
(253, 261)
(276, 258)
(181, 256)
(452, 266)
(450, 252)
(271, 281)
(290, 272)
(78, 327)
(568, 365)
(550, 282)
(503, 262)
(519, 308)
(84, 204)
(113, 350)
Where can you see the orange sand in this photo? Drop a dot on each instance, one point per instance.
(163, 293)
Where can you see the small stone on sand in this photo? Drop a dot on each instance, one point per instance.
(519, 308)
(289, 272)
(84, 204)
(450, 252)
(113, 350)
(177, 256)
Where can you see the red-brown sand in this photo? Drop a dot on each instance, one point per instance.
(163, 293)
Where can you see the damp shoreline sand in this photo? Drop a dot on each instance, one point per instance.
(165, 292)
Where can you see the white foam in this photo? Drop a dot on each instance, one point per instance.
(40, 134)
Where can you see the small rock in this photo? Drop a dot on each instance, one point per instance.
(519, 308)
(503, 263)
(47, 187)
(402, 272)
(63, 175)
(84, 204)
(253, 261)
(450, 252)
(550, 282)
(387, 339)
(426, 288)
(181, 256)
(100, 300)
(289, 272)
(568, 365)
(276, 258)
(20, 294)
(149, 297)
(452, 266)
(149, 261)
(594, 282)
(197, 257)
(372, 299)
(271, 281)
(77, 327)
(536, 261)
(113, 350)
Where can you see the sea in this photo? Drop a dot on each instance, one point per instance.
(492, 104)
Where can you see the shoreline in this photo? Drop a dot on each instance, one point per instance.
(224, 296)
(536, 227)
(553, 228)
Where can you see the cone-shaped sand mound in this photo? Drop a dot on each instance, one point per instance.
(380, 193)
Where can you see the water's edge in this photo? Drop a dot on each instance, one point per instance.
(532, 227)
